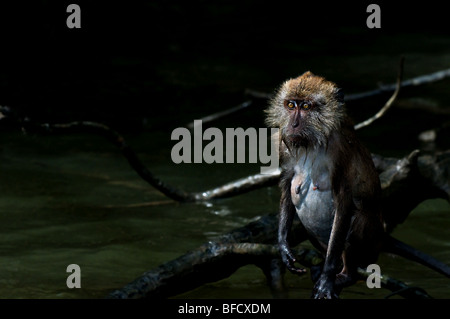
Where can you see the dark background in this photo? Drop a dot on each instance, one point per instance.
(162, 60)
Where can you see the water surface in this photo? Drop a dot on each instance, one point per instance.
(74, 200)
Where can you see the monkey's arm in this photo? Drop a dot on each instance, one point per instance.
(287, 213)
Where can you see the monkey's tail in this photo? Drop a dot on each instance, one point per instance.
(397, 247)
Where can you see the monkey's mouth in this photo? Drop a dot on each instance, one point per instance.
(298, 140)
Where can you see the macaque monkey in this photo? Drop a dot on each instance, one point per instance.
(328, 179)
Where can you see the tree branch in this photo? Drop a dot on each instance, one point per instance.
(388, 104)
(221, 114)
(216, 260)
(233, 188)
(119, 141)
(413, 82)
(397, 287)
(432, 171)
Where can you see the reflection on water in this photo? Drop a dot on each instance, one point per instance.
(74, 200)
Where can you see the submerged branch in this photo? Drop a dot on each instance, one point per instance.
(119, 141)
(397, 287)
(212, 261)
(241, 186)
(233, 188)
(429, 173)
(402, 184)
(209, 263)
(218, 260)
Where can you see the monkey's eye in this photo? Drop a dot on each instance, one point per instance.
(306, 106)
(291, 104)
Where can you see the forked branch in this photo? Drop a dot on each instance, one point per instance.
(388, 104)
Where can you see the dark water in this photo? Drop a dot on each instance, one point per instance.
(74, 200)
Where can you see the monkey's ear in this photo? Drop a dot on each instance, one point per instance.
(339, 94)
(307, 74)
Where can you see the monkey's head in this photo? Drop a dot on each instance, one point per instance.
(306, 110)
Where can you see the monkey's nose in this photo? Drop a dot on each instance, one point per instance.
(295, 123)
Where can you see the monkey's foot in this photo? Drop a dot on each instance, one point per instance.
(344, 280)
(324, 289)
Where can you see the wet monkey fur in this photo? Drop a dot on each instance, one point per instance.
(328, 180)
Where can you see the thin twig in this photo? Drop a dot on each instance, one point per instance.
(258, 94)
(221, 114)
(416, 81)
(388, 104)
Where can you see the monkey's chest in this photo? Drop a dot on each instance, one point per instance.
(313, 200)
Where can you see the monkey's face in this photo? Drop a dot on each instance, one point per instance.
(306, 109)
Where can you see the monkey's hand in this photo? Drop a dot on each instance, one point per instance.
(288, 258)
(324, 289)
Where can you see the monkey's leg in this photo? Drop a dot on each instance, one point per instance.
(363, 247)
(287, 213)
(324, 287)
(348, 276)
